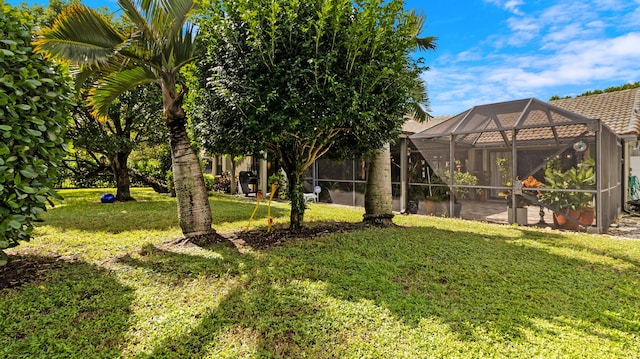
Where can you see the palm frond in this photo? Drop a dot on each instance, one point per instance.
(419, 98)
(179, 10)
(183, 49)
(132, 10)
(423, 43)
(426, 43)
(418, 113)
(164, 35)
(116, 83)
(81, 36)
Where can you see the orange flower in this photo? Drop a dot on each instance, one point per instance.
(531, 182)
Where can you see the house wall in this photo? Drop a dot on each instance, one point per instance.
(635, 166)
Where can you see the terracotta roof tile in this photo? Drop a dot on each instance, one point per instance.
(619, 110)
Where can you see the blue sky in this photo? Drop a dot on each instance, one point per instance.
(500, 50)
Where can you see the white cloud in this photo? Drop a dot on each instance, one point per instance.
(474, 54)
(512, 6)
(456, 87)
(524, 30)
(565, 49)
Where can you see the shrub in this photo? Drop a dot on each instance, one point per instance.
(281, 180)
(35, 98)
(209, 181)
(169, 178)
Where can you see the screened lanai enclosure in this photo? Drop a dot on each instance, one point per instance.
(523, 161)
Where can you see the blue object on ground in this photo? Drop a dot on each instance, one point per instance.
(107, 198)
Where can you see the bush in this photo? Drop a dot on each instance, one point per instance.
(281, 180)
(209, 181)
(169, 178)
(35, 98)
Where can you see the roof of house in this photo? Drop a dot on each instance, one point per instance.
(619, 110)
(412, 126)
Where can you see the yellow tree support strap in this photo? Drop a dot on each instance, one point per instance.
(258, 196)
(274, 188)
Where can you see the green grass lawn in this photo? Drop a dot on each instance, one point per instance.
(433, 288)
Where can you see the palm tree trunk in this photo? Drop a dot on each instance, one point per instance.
(121, 174)
(378, 200)
(194, 212)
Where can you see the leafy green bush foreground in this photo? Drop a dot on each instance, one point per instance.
(432, 288)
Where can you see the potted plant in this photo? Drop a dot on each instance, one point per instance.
(434, 193)
(459, 178)
(569, 204)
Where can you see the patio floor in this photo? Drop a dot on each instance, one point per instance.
(491, 211)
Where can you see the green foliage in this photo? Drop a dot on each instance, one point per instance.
(152, 160)
(209, 181)
(597, 92)
(281, 180)
(611, 89)
(102, 146)
(170, 185)
(459, 178)
(579, 177)
(304, 79)
(436, 192)
(34, 103)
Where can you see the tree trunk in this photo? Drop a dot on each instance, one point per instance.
(194, 212)
(296, 194)
(157, 185)
(378, 200)
(121, 173)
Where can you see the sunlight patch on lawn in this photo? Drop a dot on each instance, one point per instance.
(583, 254)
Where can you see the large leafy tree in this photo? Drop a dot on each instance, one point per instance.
(134, 119)
(35, 97)
(301, 79)
(159, 43)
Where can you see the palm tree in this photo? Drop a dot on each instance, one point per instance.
(378, 200)
(158, 44)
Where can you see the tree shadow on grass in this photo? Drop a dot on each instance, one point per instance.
(474, 283)
(74, 309)
(174, 268)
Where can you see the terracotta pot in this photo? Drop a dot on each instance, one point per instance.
(587, 216)
(561, 221)
(431, 207)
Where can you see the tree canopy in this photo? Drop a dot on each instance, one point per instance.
(134, 119)
(304, 79)
(35, 97)
(597, 92)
